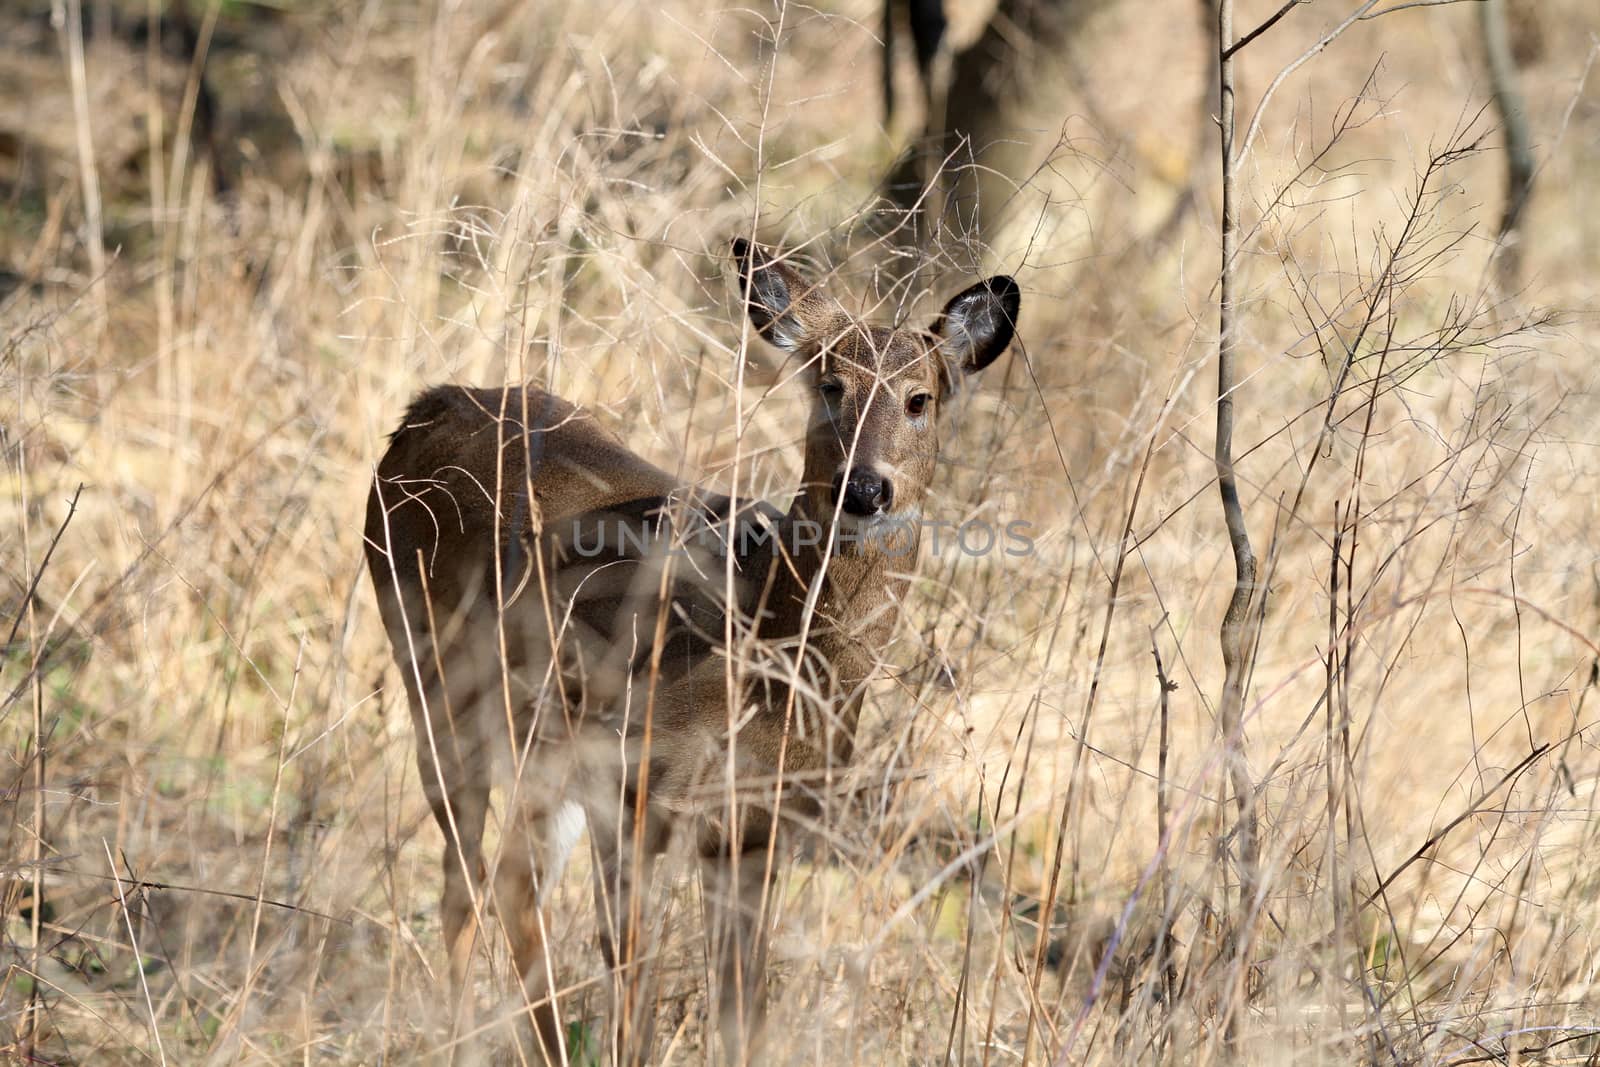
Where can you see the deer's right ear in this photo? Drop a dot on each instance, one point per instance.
(771, 291)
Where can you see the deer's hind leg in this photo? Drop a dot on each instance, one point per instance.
(538, 839)
(458, 795)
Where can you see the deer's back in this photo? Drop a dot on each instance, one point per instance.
(468, 477)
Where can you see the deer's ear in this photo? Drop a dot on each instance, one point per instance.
(772, 292)
(978, 323)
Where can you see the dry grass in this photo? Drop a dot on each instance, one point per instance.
(216, 847)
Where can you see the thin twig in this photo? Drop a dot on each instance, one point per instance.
(1272, 20)
(138, 960)
(1415, 3)
(143, 884)
(33, 587)
(1361, 14)
(1471, 810)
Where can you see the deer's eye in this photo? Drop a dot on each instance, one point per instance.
(830, 389)
(917, 404)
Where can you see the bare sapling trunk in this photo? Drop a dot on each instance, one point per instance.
(1519, 143)
(1240, 623)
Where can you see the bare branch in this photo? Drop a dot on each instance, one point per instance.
(1272, 21)
(1360, 14)
(1416, 3)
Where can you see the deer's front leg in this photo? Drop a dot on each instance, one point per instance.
(624, 867)
(739, 890)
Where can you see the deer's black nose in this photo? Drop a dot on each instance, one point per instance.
(864, 492)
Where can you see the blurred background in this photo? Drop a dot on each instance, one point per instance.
(235, 237)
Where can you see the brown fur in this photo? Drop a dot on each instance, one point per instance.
(523, 653)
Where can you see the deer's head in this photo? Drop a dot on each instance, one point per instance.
(872, 439)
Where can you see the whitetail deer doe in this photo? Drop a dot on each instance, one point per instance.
(551, 645)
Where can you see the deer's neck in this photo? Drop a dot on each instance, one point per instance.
(857, 588)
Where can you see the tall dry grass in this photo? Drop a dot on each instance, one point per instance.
(216, 848)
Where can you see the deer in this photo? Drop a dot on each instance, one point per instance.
(706, 693)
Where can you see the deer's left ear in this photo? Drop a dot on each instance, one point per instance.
(978, 323)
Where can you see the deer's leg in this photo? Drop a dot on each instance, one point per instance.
(452, 759)
(537, 844)
(623, 871)
(737, 901)
(459, 800)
